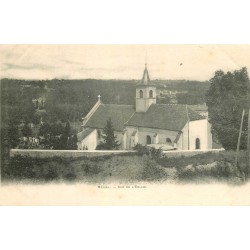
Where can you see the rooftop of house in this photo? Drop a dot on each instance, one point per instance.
(118, 114)
(164, 116)
(199, 107)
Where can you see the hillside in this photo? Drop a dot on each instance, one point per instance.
(72, 99)
(202, 168)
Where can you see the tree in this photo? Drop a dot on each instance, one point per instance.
(109, 138)
(26, 130)
(12, 136)
(226, 99)
(73, 142)
(64, 139)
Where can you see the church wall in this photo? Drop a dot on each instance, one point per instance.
(130, 141)
(162, 135)
(90, 141)
(142, 134)
(183, 143)
(145, 90)
(197, 129)
(142, 104)
(119, 137)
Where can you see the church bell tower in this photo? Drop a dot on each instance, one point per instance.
(145, 93)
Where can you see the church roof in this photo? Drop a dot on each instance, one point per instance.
(118, 114)
(164, 116)
(145, 78)
(198, 107)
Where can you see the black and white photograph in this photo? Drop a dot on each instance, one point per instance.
(125, 116)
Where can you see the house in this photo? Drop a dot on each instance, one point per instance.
(170, 126)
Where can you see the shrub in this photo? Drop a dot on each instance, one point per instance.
(70, 176)
(155, 153)
(151, 171)
(51, 175)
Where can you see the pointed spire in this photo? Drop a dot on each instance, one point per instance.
(145, 77)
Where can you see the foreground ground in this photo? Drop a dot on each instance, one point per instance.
(202, 168)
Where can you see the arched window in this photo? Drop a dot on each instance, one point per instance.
(168, 141)
(148, 139)
(141, 94)
(151, 94)
(197, 143)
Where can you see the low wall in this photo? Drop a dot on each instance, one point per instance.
(65, 153)
(178, 153)
(94, 153)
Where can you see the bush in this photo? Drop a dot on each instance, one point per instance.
(215, 171)
(151, 171)
(141, 150)
(150, 151)
(51, 175)
(70, 176)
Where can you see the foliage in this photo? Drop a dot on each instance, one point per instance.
(142, 150)
(58, 137)
(206, 167)
(154, 153)
(26, 130)
(109, 139)
(226, 99)
(72, 145)
(151, 171)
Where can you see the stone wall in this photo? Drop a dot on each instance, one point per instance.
(65, 153)
(94, 153)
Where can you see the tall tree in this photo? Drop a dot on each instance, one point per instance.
(226, 99)
(109, 139)
(72, 145)
(26, 130)
(64, 139)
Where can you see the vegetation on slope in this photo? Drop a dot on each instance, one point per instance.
(130, 168)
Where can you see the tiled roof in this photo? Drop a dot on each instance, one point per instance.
(118, 114)
(83, 134)
(164, 116)
(198, 107)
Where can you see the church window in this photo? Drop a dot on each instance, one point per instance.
(141, 94)
(151, 94)
(148, 140)
(197, 143)
(168, 141)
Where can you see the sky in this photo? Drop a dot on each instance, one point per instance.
(190, 62)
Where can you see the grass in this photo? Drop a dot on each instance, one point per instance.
(201, 168)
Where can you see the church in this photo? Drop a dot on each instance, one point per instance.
(166, 126)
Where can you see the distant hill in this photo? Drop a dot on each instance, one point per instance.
(72, 99)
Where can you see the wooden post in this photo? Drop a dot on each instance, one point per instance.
(248, 143)
(238, 144)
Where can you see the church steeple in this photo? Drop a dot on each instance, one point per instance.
(145, 77)
(145, 93)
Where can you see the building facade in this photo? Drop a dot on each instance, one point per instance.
(169, 126)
